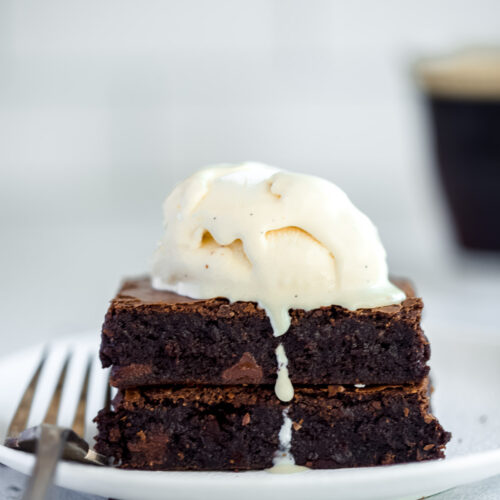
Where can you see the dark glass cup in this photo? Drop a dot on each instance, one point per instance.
(463, 96)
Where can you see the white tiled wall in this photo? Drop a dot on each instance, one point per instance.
(105, 104)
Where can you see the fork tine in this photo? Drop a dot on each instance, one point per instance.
(20, 418)
(53, 409)
(78, 424)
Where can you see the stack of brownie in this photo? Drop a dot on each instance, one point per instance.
(196, 378)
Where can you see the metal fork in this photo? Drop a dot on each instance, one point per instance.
(48, 440)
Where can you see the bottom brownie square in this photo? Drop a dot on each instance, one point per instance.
(237, 428)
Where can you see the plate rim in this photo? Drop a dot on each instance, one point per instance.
(103, 481)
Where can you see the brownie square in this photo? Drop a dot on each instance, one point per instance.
(152, 337)
(237, 427)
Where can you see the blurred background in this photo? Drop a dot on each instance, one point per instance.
(105, 105)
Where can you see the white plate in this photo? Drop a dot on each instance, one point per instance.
(466, 373)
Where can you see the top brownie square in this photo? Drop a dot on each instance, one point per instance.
(153, 337)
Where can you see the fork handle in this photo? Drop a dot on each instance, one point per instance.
(50, 445)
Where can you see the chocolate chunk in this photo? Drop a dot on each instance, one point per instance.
(245, 371)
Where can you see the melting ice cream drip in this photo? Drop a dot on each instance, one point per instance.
(283, 455)
(283, 461)
(283, 387)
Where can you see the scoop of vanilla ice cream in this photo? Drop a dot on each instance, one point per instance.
(252, 232)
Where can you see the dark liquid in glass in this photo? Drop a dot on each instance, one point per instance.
(467, 144)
